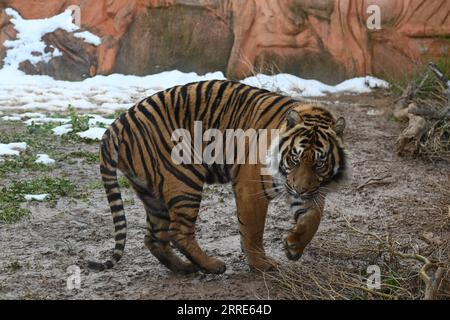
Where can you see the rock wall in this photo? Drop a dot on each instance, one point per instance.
(323, 39)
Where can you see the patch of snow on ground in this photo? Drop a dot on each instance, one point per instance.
(31, 121)
(295, 86)
(61, 130)
(92, 134)
(12, 149)
(106, 94)
(101, 93)
(11, 118)
(44, 159)
(36, 197)
(96, 119)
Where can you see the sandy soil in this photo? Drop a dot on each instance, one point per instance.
(410, 202)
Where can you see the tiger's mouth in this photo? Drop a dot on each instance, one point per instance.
(307, 195)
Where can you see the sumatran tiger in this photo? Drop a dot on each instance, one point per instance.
(310, 158)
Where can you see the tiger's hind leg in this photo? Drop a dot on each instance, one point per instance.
(157, 239)
(183, 211)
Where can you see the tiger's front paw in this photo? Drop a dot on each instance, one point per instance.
(263, 264)
(185, 268)
(213, 266)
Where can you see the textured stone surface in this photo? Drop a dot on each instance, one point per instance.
(78, 60)
(322, 39)
(181, 37)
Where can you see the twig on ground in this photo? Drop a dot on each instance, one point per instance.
(376, 180)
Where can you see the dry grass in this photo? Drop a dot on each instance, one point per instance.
(426, 101)
(336, 269)
(435, 143)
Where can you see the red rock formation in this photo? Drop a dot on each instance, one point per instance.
(78, 60)
(323, 39)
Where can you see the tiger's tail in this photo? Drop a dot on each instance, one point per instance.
(109, 156)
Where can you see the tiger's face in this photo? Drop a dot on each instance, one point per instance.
(311, 151)
(311, 160)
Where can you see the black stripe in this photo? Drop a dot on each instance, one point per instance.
(120, 236)
(106, 171)
(119, 219)
(117, 208)
(114, 197)
(119, 246)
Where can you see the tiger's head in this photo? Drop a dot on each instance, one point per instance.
(310, 161)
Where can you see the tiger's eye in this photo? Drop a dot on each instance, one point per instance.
(320, 164)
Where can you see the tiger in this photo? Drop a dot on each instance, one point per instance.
(304, 160)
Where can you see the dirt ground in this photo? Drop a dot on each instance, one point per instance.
(411, 202)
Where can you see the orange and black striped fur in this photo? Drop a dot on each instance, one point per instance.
(139, 145)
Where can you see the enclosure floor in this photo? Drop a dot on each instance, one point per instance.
(409, 203)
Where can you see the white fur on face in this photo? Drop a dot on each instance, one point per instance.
(273, 159)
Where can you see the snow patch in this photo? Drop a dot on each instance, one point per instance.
(295, 86)
(101, 93)
(44, 159)
(119, 92)
(12, 149)
(31, 121)
(96, 119)
(92, 134)
(61, 130)
(88, 37)
(36, 197)
(11, 118)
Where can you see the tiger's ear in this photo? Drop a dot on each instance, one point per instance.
(293, 118)
(340, 126)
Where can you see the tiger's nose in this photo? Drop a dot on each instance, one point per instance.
(306, 191)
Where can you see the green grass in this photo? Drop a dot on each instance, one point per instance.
(11, 213)
(25, 162)
(37, 140)
(55, 187)
(399, 84)
(12, 196)
(79, 123)
(42, 129)
(98, 184)
(116, 114)
(34, 141)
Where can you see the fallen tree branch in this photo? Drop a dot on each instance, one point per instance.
(443, 78)
(439, 74)
(428, 113)
(372, 181)
(410, 92)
